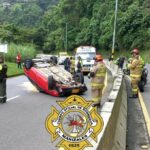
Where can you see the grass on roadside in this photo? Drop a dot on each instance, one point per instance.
(13, 69)
(26, 51)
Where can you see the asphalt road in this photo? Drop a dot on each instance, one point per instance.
(137, 135)
(146, 93)
(22, 118)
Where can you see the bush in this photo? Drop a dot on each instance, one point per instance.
(26, 51)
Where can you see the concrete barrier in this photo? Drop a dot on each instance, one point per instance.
(114, 135)
(114, 113)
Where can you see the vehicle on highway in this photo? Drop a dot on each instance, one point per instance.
(87, 55)
(51, 78)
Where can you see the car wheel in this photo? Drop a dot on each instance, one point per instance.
(28, 63)
(141, 86)
(51, 83)
(54, 59)
(79, 77)
(144, 75)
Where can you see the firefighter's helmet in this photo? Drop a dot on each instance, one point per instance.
(99, 58)
(135, 51)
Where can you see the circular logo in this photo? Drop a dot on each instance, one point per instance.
(74, 123)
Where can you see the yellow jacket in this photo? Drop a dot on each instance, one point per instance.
(136, 67)
(98, 80)
(72, 63)
(1, 67)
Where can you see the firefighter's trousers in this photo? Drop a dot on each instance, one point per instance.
(3, 91)
(134, 84)
(96, 94)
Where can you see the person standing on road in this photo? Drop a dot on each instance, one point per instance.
(120, 62)
(136, 67)
(67, 64)
(79, 64)
(97, 74)
(72, 65)
(18, 59)
(3, 76)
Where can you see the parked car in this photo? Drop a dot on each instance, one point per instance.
(51, 78)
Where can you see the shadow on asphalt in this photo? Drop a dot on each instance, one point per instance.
(137, 136)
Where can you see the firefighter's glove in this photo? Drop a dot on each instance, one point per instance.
(92, 74)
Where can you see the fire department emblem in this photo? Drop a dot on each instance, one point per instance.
(74, 124)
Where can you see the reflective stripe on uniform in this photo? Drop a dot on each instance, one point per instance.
(135, 76)
(134, 90)
(1, 67)
(140, 66)
(97, 85)
(100, 74)
(96, 99)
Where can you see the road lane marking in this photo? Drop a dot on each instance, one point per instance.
(28, 86)
(9, 99)
(145, 112)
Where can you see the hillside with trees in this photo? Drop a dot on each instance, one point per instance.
(45, 23)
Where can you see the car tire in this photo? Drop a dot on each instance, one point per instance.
(79, 77)
(51, 82)
(144, 75)
(141, 86)
(28, 63)
(54, 59)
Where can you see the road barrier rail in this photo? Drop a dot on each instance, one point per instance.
(114, 114)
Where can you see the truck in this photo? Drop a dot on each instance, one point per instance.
(87, 54)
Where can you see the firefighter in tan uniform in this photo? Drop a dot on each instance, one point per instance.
(72, 66)
(97, 82)
(136, 67)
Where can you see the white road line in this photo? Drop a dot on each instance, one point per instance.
(9, 99)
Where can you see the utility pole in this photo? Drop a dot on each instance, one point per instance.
(114, 33)
(66, 37)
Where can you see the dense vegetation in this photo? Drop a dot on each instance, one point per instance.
(87, 22)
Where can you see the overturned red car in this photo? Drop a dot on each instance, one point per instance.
(52, 79)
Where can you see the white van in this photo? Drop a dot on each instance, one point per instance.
(87, 54)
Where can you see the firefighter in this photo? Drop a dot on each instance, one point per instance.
(120, 62)
(18, 59)
(72, 65)
(97, 74)
(3, 76)
(136, 66)
(79, 64)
